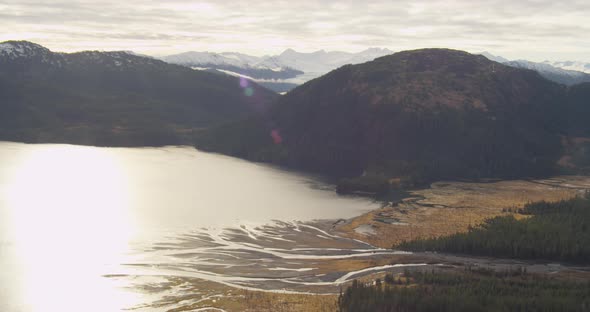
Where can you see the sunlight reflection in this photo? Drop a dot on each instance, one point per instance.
(71, 215)
(69, 209)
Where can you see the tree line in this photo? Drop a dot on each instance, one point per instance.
(472, 290)
(557, 231)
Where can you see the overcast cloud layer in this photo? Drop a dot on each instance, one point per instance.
(532, 29)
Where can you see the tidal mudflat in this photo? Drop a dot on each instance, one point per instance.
(175, 229)
(450, 207)
(290, 266)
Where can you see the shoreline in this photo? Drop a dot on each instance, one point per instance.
(324, 256)
(297, 261)
(447, 208)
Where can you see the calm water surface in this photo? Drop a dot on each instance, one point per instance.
(69, 215)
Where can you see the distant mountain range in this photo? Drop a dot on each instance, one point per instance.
(495, 58)
(569, 65)
(568, 73)
(285, 71)
(113, 98)
(279, 72)
(264, 68)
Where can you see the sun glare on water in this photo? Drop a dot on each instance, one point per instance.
(70, 226)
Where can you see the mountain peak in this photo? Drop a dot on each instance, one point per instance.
(21, 48)
(289, 51)
(436, 57)
(398, 112)
(494, 58)
(377, 50)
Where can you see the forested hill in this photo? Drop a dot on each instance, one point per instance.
(113, 98)
(421, 115)
(578, 110)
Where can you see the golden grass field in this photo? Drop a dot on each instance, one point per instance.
(450, 207)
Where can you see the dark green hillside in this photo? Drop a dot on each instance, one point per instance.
(421, 115)
(113, 98)
(576, 120)
(578, 110)
(553, 231)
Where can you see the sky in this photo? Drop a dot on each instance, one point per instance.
(536, 30)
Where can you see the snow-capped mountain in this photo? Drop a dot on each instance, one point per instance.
(322, 61)
(209, 58)
(546, 69)
(316, 64)
(319, 61)
(290, 66)
(16, 53)
(369, 55)
(563, 76)
(494, 58)
(241, 64)
(569, 65)
(21, 49)
(23, 54)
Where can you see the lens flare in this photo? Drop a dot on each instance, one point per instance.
(243, 82)
(276, 136)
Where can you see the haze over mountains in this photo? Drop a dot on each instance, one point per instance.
(570, 65)
(568, 73)
(290, 67)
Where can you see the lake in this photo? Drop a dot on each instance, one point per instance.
(70, 216)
